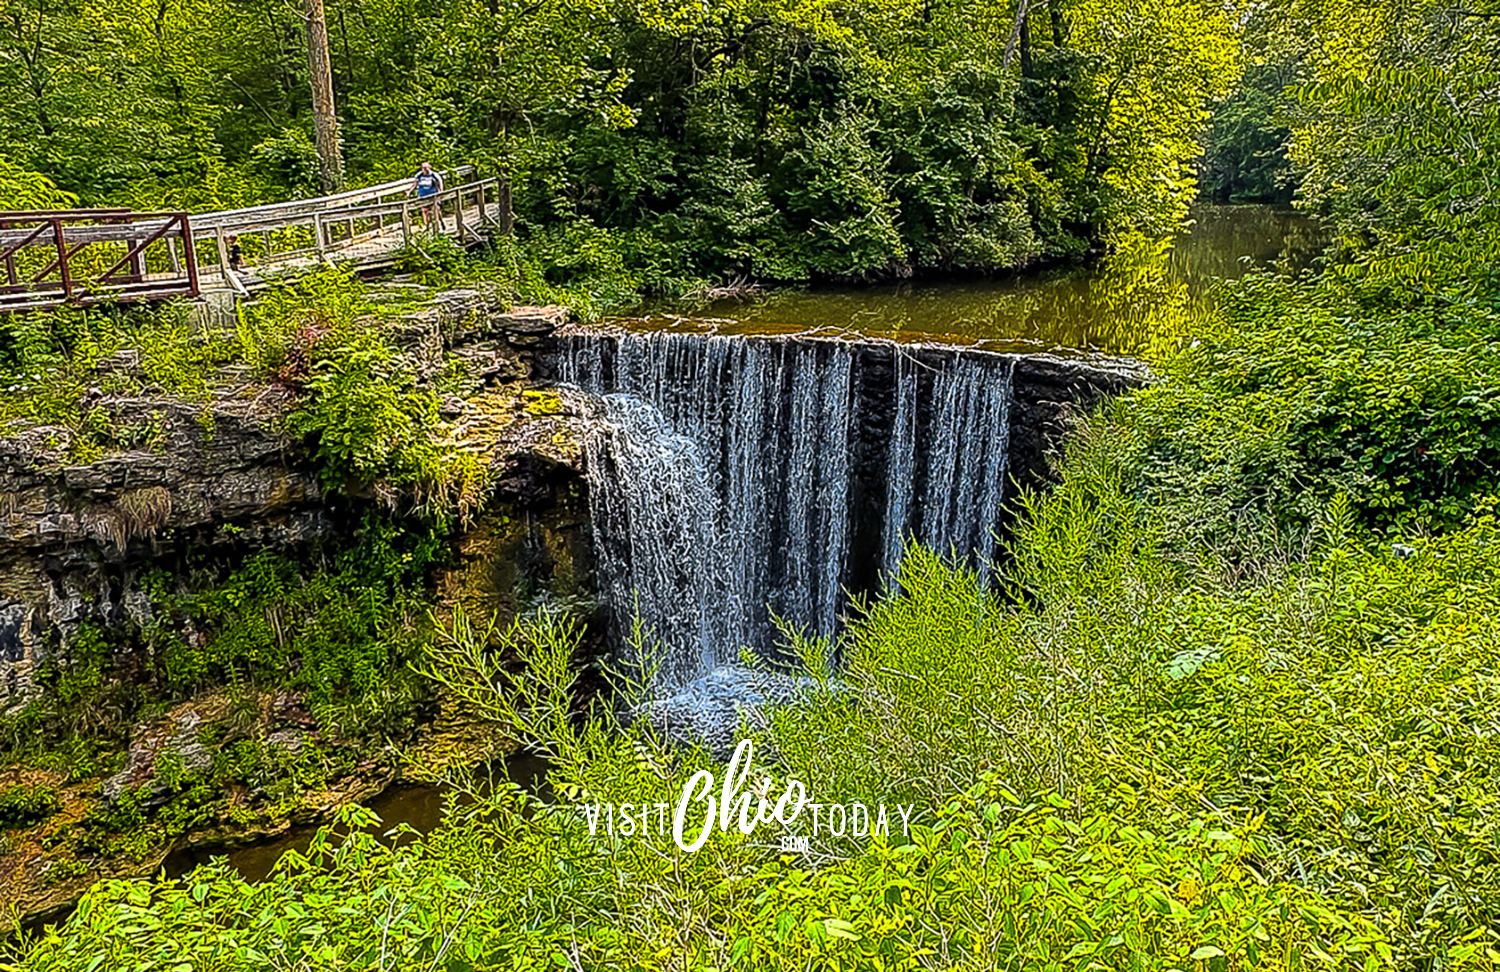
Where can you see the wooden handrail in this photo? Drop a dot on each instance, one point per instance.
(31, 215)
(364, 226)
(70, 232)
(95, 233)
(316, 203)
(314, 216)
(135, 251)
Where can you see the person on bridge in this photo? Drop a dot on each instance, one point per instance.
(427, 185)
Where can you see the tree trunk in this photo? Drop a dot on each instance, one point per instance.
(325, 120)
(506, 218)
(1010, 46)
(1056, 18)
(1026, 48)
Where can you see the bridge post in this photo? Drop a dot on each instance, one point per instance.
(137, 260)
(223, 252)
(62, 259)
(192, 257)
(10, 260)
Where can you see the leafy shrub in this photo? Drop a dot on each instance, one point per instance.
(986, 880)
(1304, 391)
(24, 805)
(341, 629)
(23, 189)
(1337, 693)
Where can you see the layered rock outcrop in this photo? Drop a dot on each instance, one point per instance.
(209, 481)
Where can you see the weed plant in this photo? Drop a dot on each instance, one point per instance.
(987, 878)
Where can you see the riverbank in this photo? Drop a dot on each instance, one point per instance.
(174, 805)
(1139, 299)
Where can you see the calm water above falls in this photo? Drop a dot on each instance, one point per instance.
(1142, 297)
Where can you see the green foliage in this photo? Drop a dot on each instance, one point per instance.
(369, 420)
(340, 631)
(1340, 701)
(985, 880)
(48, 363)
(771, 139)
(339, 627)
(23, 805)
(1304, 391)
(1397, 133)
(1245, 157)
(22, 189)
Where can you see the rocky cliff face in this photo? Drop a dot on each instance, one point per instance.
(209, 481)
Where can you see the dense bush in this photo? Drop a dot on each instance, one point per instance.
(1277, 767)
(984, 879)
(1303, 391)
(1341, 701)
(23, 805)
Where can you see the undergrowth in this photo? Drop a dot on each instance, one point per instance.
(592, 271)
(338, 626)
(354, 396)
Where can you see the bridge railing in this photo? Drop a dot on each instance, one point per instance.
(361, 224)
(50, 257)
(209, 222)
(54, 257)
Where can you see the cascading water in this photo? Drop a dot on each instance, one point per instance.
(734, 481)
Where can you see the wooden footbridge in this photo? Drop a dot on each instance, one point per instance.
(52, 258)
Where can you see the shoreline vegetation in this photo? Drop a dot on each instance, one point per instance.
(1231, 702)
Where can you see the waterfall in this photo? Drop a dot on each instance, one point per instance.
(736, 481)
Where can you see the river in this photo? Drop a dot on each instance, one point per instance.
(1139, 300)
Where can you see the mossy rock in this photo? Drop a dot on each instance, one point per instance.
(543, 402)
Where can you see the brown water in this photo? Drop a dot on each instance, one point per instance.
(420, 807)
(1144, 297)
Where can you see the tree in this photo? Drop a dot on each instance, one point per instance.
(325, 118)
(22, 189)
(1397, 133)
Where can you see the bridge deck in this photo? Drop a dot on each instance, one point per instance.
(48, 259)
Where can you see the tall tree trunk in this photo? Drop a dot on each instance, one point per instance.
(1026, 48)
(350, 81)
(1057, 26)
(1010, 46)
(325, 121)
(506, 217)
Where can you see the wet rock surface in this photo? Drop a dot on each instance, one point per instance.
(1047, 389)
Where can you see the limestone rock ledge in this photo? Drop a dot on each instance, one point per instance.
(189, 481)
(76, 539)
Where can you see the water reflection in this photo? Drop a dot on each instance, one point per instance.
(419, 806)
(1143, 298)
